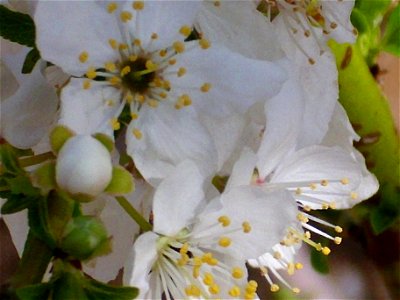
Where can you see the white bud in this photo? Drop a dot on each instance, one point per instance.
(83, 166)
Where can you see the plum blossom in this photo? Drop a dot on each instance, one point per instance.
(136, 59)
(197, 248)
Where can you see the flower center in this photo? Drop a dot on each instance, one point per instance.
(138, 76)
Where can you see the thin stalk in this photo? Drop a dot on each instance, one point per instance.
(134, 214)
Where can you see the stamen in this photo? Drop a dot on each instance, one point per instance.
(111, 7)
(178, 46)
(83, 57)
(126, 16)
(185, 30)
(138, 5)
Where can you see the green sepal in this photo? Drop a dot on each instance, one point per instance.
(34, 292)
(30, 61)
(121, 182)
(44, 177)
(68, 286)
(100, 291)
(105, 140)
(17, 27)
(85, 236)
(9, 160)
(59, 136)
(391, 38)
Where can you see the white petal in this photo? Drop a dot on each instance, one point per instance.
(9, 83)
(177, 198)
(165, 18)
(88, 111)
(239, 26)
(27, 115)
(269, 215)
(243, 169)
(64, 30)
(228, 73)
(141, 260)
(284, 116)
(169, 136)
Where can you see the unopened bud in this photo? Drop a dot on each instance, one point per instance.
(83, 166)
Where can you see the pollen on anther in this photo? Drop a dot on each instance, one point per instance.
(154, 36)
(115, 124)
(138, 5)
(311, 61)
(274, 288)
(125, 16)
(150, 65)
(234, 291)
(353, 195)
(134, 116)
(338, 229)
(111, 7)
(113, 43)
(91, 73)
(298, 266)
(224, 220)
(185, 30)
(137, 42)
(86, 84)
(172, 61)
(246, 227)
(326, 250)
(344, 181)
(237, 273)
(125, 70)
(338, 240)
(296, 290)
(324, 182)
(83, 57)
(205, 87)
(224, 242)
(181, 72)
(178, 46)
(204, 44)
(110, 66)
(137, 133)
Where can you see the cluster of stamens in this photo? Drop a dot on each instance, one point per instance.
(140, 74)
(188, 271)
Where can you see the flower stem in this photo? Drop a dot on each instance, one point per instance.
(36, 159)
(134, 214)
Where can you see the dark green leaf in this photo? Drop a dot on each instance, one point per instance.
(319, 261)
(22, 185)
(373, 10)
(391, 38)
(9, 160)
(68, 286)
(16, 203)
(34, 292)
(17, 27)
(30, 61)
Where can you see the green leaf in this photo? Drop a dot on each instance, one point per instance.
(21, 184)
(9, 160)
(34, 292)
(17, 27)
(373, 10)
(68, 286)
(16, 203)
(44, 177)
(391, 38)
(30, 61)
(319, 261)
(121, 182)
(388, 212)
(105, 140)
(59, 136)
(99, 291)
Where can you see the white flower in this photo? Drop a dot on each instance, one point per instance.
(83, 166)
(28, 108)
(198, 249)
(136, 59)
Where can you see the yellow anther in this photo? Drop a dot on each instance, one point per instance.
(154, 36)
(250, 289)
(206, 257)
(163, 95)
(172, 61)
(338, 229)
(129, 98)
(137, 133)
(224, 220)
(307, 234)
(125, 16)
(325, 205)
(253, 284)
(302, 218)
(344, 181)
(111, 7)
(326, 251)
(234, 291)
(307, 208)
(311, 61)
(213, 262)
(91, 73)
(115, 124)
(208, 279)
(184, 249)
(313, 186)
(214, 289)
(113, 43)
(290, 268)
(125, 70)
(277, 255)
(185, 30)
(204, 44)
(246, 227)
(193, 290)
(181, 72)
(140, 98)
(205, 87)
(224, 241)
(162, 52)
(132, 57)
(86, 84)
(298, 266)
(324, 182)
(122, 47)
(249, 296)
(196, 271)
(152, 103)
(333, 25)
(296, 290)
(353, 195)
(110, 102)
(110, 66)
(186, 100)
(137, 42)
(138, 5)
(134, 116)
(217, 3)
(298, 191)
(237, 273)
(274, 288)
(178, 46)
(150, 65)
(83, 57)
(337, 240)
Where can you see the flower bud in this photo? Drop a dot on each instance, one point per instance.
(83, 166)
